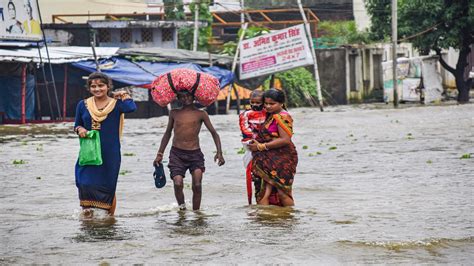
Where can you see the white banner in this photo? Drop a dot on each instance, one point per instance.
(19, 20)
(274, 52)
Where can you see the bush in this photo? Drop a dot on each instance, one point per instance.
(299, 86)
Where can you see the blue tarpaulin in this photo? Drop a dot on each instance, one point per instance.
(142, 74)
(10, 97)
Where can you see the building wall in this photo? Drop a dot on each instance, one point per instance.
(332, 74)
(52, 7)
(362, 19)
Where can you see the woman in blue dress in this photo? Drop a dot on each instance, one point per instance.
(97, 183)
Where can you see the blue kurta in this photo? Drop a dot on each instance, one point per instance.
(97, 184)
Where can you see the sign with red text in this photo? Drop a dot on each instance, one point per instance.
(274, 52)
(19, 20)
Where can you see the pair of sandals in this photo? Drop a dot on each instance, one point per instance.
(159, 176)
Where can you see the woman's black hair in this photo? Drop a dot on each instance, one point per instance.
(276, 95)
(100, 76)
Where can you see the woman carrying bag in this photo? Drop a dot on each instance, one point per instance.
(103, 115)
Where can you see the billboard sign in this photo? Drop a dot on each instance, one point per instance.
(274, 52)
(19, 20)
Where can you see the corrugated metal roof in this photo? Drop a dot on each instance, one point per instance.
(57, 55)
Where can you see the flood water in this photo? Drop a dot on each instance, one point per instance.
(373, 185)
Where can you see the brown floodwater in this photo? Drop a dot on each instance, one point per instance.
(373, 185)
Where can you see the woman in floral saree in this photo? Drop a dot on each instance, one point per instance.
(274, 154)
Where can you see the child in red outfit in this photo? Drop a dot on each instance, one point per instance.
(250, 122)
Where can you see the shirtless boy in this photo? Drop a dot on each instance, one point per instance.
(185, 152)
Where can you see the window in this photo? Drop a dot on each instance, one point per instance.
(104, 35)
(231, 30)
(147, 35)
(125, 35)
(167, 35)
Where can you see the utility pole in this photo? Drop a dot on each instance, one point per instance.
(242, 15)
(313, 54)
(394, 52)
(196, 26)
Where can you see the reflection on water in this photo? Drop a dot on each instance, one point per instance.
(190, 223)
(273, 216)
(95, 230)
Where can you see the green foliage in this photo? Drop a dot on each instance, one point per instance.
(380, 18)
(124, 172)
(466, 156)
(344, 32)
(253, 31)
(241, 151)
(454, 22)
(129, 154)
(299, 86)
(174, 10)
(229, 48)
(19, 162)
(185, 35)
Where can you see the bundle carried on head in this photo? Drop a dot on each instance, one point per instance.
(204, 87)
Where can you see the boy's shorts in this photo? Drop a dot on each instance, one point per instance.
(182, 160)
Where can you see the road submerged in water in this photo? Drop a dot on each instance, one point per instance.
(373, 185)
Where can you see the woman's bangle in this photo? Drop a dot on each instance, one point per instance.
(265, 146)
(76, 129)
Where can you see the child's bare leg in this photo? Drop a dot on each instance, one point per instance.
(197, 188)
(265, 200)
(285, 199)
(178, 189)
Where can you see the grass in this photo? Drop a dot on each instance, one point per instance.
(241, 151)
(466, 156)
(19, 162)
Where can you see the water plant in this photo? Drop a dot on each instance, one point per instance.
(241, 151)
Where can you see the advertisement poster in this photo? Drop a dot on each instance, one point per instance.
(19, 20)
(274, 52)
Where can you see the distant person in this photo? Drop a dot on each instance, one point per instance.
(274, 154)
(30, 25)
(14, 26)
(250, 122)
(185, 152)
(97, 183)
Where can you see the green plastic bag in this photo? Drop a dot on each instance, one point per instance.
(90, 152)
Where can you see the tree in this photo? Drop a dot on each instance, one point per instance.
(432, 25)
(174, 10)
(380, 17)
